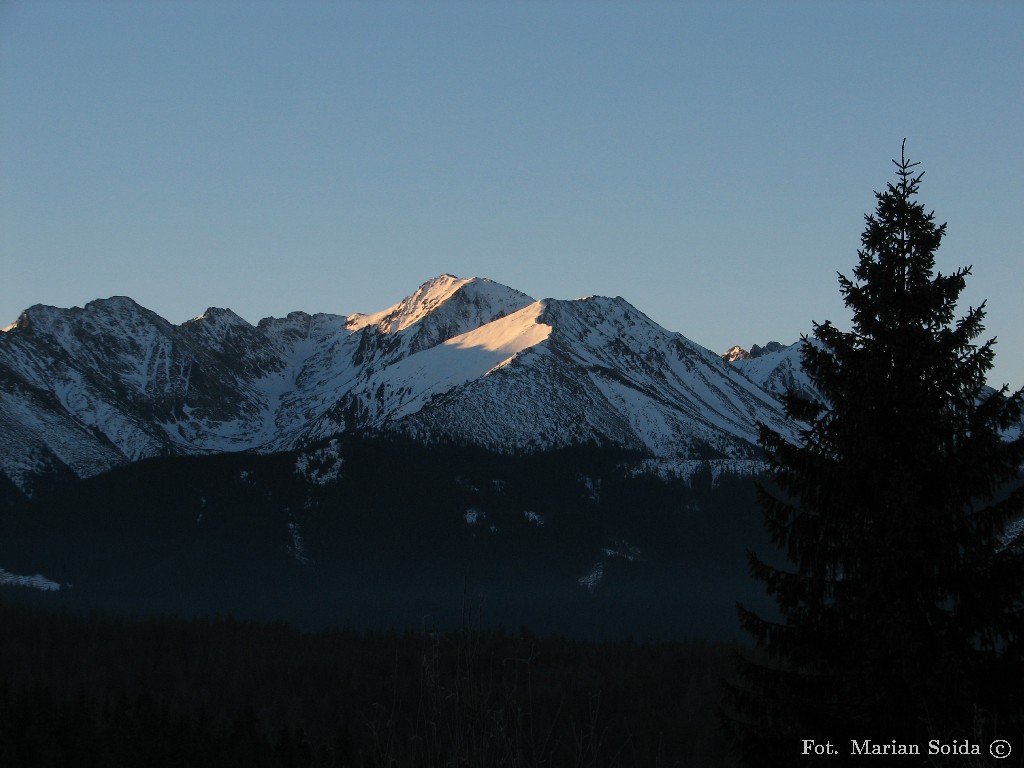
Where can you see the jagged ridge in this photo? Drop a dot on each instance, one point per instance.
(463, 359)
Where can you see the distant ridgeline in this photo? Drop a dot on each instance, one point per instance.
(470, 361)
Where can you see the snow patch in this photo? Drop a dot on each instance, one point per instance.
(38, 581)
(297, 548)
(1013, 530)
(687, 469)
(466, 483)
(623, 550)
(590, 581)
(592, 487)
(534, 517)
(321, 466)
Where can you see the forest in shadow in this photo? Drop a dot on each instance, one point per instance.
(91, 689)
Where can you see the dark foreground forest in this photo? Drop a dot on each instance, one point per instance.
(89, 689)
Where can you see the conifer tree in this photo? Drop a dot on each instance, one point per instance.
(898, 583)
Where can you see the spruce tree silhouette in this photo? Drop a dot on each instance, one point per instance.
(900, 613)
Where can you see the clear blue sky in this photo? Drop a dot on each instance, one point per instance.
(710, 162)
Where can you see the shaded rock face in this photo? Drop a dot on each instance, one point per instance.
(733, 354)
(771, 346)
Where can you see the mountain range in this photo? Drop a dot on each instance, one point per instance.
(459, 361)
(565, 465)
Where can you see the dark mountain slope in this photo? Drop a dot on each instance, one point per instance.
(386, 533)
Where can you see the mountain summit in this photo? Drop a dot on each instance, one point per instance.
(460, 359)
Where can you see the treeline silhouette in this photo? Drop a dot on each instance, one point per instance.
(92, 689)
(390, 540)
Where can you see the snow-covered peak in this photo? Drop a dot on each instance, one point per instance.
(216, 325)
(778, 371)
(733, 354)
(480, 301)
(302, 324)
(218, 315)
(599, 320)
(118, 319)
(412, 308)
(117, 314)
(115, 304)
(591, 370)
(405, 386)
(41, 317)
(21, 322)
(224, 331)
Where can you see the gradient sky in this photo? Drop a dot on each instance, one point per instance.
(710, 162)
